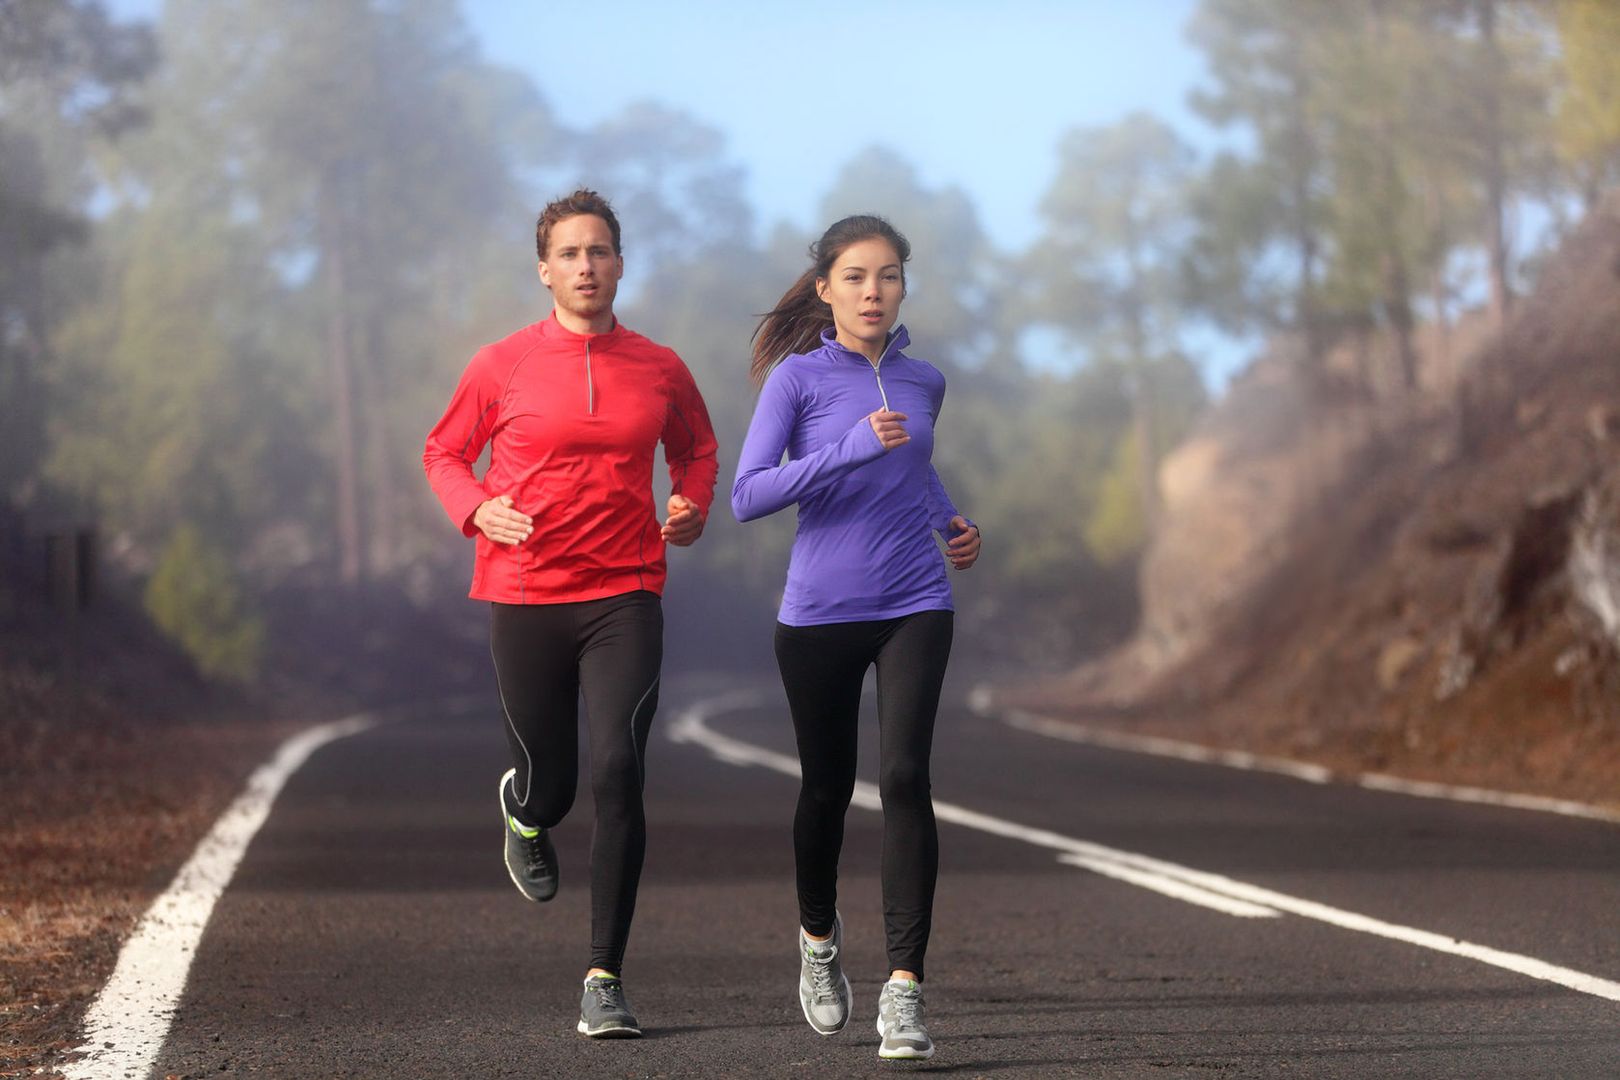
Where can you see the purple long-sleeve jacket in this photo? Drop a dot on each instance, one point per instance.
(865, 547)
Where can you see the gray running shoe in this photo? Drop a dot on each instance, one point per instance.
(603, 1011)
(823, 989)
(530, 858)
(901, 1020)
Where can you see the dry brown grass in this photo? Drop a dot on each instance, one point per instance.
(109, 774)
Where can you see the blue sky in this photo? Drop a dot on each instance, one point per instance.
(975, 95)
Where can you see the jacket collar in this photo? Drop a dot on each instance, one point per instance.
(553, 330)
(898, 339)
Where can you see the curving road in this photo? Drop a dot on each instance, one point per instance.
(1100, 914)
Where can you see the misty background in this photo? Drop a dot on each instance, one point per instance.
(250, 245)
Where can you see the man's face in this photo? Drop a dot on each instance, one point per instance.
(580, 267)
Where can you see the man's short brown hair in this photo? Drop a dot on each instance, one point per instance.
(583, 201)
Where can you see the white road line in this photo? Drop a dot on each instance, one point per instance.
(1161, 747)
(1170, 887)
(1428, 790)
(1315, 774)
(129, 1019)
(691, 727)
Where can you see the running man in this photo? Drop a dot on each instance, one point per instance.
(570, 557)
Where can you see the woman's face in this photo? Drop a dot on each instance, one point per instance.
(864, 291)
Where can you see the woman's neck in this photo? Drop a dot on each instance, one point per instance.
(872, 350)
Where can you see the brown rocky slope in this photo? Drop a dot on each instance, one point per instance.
(1424, 583)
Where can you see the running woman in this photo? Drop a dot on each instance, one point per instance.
(866, 584)
(570, 557)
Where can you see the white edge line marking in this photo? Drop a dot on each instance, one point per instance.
(1162, 747)
(128, 1021)
(1315, 774)
(1170, 887)
(1429, 790)
(691, 727)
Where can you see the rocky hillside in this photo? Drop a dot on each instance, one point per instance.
(1421, 583)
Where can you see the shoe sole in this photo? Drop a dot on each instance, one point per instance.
(619, 1032)
(903, 1055)
(500, 795)
(805, 1006)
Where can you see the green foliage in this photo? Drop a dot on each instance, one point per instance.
(1109, 274)
(1117, 528)
(1107, 271)
(1256, 261)
(1387, 139)
(1588, 118)
(68, 78)
(1024, 458)
(163, 367)
(193, 596)
(375, 158)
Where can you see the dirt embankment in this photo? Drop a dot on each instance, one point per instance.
(1421, 583)
(114, 759)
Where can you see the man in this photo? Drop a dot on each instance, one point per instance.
(571, 559)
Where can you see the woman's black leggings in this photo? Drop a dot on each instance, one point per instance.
(545, 656)
(822, 670)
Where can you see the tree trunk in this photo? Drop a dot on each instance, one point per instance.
(340, 369)
(1442, 328)
(1434, 207)
(1495, 173)
(1396, 283)
(1303, 167)
(1398, 311)
(382, 483)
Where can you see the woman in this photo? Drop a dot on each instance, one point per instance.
(866, 584)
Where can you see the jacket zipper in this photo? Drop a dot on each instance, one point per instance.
(590, 386)
(877, 370)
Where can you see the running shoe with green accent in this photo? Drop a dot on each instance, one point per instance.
(901, 1022)
(823, 989)
(603, 1011)
(530, 858)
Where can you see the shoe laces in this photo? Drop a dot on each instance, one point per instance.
(534, 854)
(907, 1004)
(821, 978)
(609, 994)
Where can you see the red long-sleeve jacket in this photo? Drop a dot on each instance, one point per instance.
(574, 420)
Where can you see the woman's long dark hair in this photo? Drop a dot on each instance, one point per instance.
(795, 324)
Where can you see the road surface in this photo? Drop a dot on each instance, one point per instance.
(1099, 914)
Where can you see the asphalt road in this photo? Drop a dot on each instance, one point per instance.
(371, 930)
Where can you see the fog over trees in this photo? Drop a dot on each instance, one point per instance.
(250, 248)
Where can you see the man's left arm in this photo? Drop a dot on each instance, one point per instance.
(691, 452)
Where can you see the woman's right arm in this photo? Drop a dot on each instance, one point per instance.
(765, 484)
